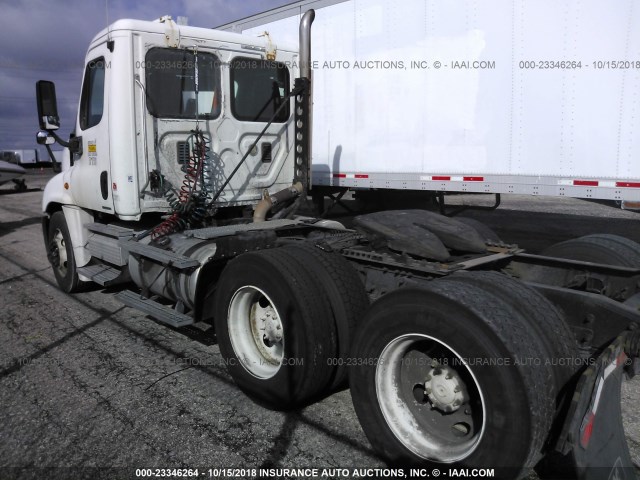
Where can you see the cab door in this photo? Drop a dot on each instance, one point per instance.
(90, 177)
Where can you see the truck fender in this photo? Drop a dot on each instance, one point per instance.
(55, 193)
(77, 218)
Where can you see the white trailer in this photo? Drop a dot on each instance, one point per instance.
(499, 96)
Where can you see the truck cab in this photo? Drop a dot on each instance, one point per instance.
(147, 87)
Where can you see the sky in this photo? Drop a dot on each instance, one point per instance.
(47, 40)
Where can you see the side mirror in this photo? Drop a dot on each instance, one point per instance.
(44, 138)
(47, 105)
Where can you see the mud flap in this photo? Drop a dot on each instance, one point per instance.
(592, 441)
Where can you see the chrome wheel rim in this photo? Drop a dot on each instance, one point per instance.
(256, 332)
(430, 398)
(59, 257)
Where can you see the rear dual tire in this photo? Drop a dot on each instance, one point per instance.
(284, 319)
(598, 248)
(545, 319)
(498, 362)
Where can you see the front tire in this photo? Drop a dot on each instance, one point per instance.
(60, 254)
(451, 379)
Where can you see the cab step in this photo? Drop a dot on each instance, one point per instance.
(163, 257)
(103, 242)
(104, 275)
(160, 312)
(110, 230)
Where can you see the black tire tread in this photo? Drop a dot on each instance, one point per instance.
(540, 313)
(345, 292)
(322, 332)
(598, 248)
(320, 336)
(626, 251)
(520, 339)
(74, 284)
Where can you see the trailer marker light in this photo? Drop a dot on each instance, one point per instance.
(622, 359)
(628, 184)
(350, 175)
(587, 431)
(473, 179)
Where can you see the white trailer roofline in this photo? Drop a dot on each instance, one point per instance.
(286, 11)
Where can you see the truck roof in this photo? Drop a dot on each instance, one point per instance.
(156, 26)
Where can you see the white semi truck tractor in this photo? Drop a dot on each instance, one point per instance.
(181, 182)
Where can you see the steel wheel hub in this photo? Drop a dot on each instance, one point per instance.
(430, 398)
(256, 332)
(445, 389)
(266, 328)
(58, 252)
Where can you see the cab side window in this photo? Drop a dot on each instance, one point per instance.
(258, 88)
(92, 99)
(171, 86)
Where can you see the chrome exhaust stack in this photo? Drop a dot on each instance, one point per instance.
(305, 43)
(303, 107)
(302, 125)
